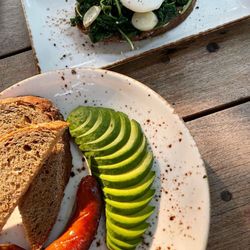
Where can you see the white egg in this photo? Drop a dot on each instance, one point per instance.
(144, 21)
(142, 5)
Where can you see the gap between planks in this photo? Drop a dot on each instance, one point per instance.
(16, 52)
(215, 109)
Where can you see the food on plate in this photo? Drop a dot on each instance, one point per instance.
(36, 163)
(43, 198)
(22, 154)
(84, 223)
(114, 20)
(10, 247)
(117, 152)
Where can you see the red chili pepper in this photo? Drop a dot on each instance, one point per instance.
(10, 247)
(84, 223)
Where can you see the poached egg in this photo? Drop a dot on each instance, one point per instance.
(141, 6)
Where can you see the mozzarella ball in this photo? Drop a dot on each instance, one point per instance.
(144, 21)
(142, 5)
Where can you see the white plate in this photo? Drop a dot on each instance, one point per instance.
(181, 219)
(48, 22)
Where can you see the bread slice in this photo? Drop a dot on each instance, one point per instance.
(155, 32)
(20, 112)
(51, 181)
(22, 154)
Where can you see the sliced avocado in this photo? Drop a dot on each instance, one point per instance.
(116, 150)
(111, 245)
(136, 167)
(99, 128)
(132, 220)
(119, 141)
(129, 207)
(130, 193)
(77, 117)
(119, 244)
(108, 136)
(125, 234)
(88, 124)
(127, 164)
(127, 150)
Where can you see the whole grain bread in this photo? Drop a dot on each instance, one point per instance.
(22, 154)
(43, 199)
(147, 34)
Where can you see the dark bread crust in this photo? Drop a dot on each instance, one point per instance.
(152, 33)
(35, 102)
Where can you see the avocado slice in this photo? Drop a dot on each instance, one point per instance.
(116, 150)
(88, 124)
(139, 168)
(127, 164)
(115, 243)
(130, 193)
(111, 245)
(128, 221)
(99, 128)
(130, 207)
(107, 137)
(125, 234)
(127, 150)
(119, 141)
(77, 117)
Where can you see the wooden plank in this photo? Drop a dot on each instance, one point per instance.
(223, 139)
(16, 68)
(13, 31)
(193, 79)
(189, 77)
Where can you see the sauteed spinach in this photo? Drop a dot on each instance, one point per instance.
(115, 19)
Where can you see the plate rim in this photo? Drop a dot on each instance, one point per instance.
(143, 86)
(140, 55)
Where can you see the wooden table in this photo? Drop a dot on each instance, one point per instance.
(210, 90)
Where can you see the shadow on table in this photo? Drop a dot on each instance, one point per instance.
(228, 222)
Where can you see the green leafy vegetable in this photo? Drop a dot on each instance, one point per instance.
(182, 2)
(115, 19)
(166, 12)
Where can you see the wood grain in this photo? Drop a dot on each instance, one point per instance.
(13, 31)
(191, 78)
(223, 139)
(12, 71)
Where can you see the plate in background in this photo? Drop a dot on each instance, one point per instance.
(57, 45)
(181, 218)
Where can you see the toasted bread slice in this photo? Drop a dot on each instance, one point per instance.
(20, 112)
(22, 154)
(43, 199)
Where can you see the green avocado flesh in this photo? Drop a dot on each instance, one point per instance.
(130, 207)
(129, 178)
(132, 192)
(126, 150)
(117, 153)
(117, 143)
(114, 243)
(107, 137)
(99, 128)
(125, 234)
(85, 126)
(130, 221)
(124, 165)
